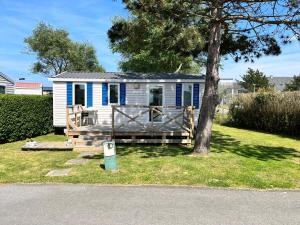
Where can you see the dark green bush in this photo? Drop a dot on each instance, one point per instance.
(271, 112)
(24, 116)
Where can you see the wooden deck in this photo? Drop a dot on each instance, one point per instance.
(133, 131)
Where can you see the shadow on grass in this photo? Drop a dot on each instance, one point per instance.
(220, 143)
(225, 143)
(152, 151)
(96, 156)
(147, 151)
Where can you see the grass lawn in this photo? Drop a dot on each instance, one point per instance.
(238, 158)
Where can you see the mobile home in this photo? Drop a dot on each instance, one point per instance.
(6, 84)
(138, 106)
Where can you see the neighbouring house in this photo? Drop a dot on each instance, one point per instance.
(130, 107)
(47, 91)
(228, 88)
(26, 88)
(279, 82)
(6, 84)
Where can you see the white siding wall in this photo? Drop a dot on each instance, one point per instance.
(28, 91)
(59, 104)
(133, 97)
(9, 87)
(137, 97)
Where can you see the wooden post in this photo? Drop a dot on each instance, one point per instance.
(193, 121)
(67, 120)
(152, 123)
(133, 139)
(113, 122)
(164, 139)
(76, 120)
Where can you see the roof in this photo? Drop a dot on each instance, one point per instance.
(7, 78)
(27, 85)
(130, 75)
(279, 82)
(47, 88)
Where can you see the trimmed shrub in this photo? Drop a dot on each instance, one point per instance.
(24, 116)
(267, 111)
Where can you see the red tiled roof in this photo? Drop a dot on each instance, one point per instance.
(27, 85)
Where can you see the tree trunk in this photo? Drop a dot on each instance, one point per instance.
(210, 97)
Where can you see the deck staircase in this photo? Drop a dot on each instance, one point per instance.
(90, 140)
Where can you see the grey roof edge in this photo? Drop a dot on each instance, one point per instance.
(7, 78)
(125, 75)
(54, 76)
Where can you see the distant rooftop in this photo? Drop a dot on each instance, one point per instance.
(129, 75)
(47, 88)
(6, 77)
(279, 82)
(27, 85)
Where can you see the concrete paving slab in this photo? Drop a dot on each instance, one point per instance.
(76, 162)
(48, 146)
(58, 172)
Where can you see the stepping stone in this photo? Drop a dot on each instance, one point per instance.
(58, 173)
(76, 162)
(86, 155)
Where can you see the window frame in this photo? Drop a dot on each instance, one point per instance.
(85, 93)
(108, 94)
(192, 94)
(4, 89)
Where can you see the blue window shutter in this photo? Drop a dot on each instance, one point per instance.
(122, 93)
(104, 93)
(196, 96)
(178, 94)
(69, 94)
(89, 94)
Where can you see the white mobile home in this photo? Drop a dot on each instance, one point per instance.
(6, 84)
(137, 102)
(26, 88)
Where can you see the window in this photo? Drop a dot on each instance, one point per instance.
(187, 94)
(2, 89)
(113, 93)
(79, 95)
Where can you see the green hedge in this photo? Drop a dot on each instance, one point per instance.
(24, 116)
(271, 112)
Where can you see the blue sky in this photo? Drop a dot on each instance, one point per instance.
(88, 21)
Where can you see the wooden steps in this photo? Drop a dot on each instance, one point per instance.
(89, 140)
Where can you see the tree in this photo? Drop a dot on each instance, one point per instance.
(56, 52)
(294, 85)
(254, 80)
(148, 44)
(253, 28)
(84, 58)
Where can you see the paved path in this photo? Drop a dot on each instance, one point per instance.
(104, 205)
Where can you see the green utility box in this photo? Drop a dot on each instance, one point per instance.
(110, 158)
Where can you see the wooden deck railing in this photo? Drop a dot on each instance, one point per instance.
(185, 124)
(172, 116)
